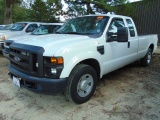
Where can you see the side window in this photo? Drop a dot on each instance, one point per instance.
(55, 28)
(113, 28)
(31, 27)
(131, 27)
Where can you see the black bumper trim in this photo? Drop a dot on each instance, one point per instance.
(5, 53)
(43, 85)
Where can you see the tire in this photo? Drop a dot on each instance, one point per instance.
(81, 84)
(147, 58)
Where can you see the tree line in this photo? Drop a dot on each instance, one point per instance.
(50, 10)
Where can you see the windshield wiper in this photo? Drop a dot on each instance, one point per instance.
(76, 33)
(59, 32)
(68, 33)
(37, 33)
(73, 33)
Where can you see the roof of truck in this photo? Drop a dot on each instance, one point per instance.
(110, 15)
(52, 23)
(42, 23)
(28, 22)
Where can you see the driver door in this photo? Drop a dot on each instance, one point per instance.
(116, 53)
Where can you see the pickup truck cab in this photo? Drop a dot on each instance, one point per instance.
(17, 29)
(83, 50)
(43, 29)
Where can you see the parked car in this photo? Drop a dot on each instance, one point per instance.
(43, 29)
(1, 26)
(83, 50)
(6, 27)
(17, 29)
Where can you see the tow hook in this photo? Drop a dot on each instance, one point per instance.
(10, 75)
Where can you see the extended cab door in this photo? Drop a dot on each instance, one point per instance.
(133, 40)
(117, 54)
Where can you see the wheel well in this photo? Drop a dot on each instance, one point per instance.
(152, 47)
(93, 63)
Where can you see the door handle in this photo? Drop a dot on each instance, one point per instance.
(128, 44)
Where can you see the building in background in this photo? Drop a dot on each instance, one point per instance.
(147, 17)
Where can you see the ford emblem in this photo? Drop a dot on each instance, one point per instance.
(17, 59)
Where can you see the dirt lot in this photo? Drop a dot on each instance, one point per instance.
(130, 93)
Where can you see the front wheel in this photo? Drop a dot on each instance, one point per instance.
(147, 58)
(81, 84)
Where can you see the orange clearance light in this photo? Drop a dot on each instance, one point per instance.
(60, 60)
(99, 17)
(3, 38)
(54, 60)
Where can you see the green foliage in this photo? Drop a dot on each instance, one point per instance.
(39, 11)
(20, 13)
(45, 11)
(48, 10)
(54, 8)
(126, 9)
(1, 11)
(81, 7)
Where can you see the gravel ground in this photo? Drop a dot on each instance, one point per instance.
(130, 93)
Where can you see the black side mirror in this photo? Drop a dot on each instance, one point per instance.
(122, 34)
(29, 30)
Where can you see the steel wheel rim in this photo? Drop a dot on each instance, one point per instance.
(149, 57)
(85, 85)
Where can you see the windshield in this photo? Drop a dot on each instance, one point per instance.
(88, 25)
(18, 26)
(46, 29)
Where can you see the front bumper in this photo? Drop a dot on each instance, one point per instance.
(37, 84)
(1, 45)
(5, 53)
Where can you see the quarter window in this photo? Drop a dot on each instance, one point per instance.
(31, 27)
(131, 27)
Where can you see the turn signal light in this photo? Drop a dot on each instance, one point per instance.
(3, 38)
(54, 60)
(58, 60)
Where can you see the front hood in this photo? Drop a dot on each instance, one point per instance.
(55, 42)
(4, 31)
(9, 34)
(22, 37)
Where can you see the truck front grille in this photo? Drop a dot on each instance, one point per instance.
(26, 59)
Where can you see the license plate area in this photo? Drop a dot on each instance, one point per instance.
(16, 81)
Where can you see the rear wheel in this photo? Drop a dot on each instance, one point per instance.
(81, 84)
(147, 58)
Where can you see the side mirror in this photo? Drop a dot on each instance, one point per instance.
(122, 34)
(29, 30)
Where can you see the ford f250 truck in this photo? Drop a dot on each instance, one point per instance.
(83, 50)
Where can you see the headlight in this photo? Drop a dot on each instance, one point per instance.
(53, 66)
(3, 37)
(53, 71)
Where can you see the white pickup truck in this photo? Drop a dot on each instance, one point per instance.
(17, 29)
(83, 50)
(43, 29)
